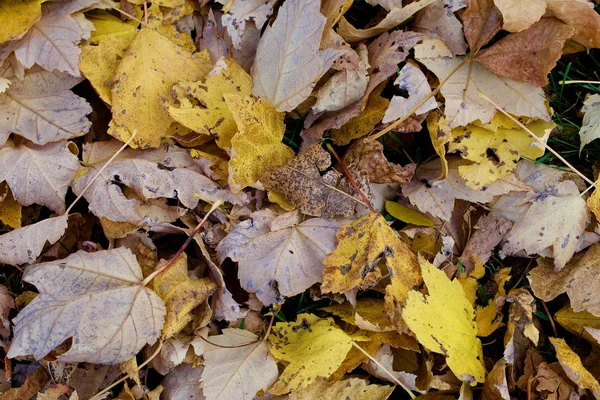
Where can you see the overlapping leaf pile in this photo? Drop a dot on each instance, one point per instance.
(329, 271)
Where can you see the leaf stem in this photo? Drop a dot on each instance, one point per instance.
(571, 82)
(184, 245)
(415, 108)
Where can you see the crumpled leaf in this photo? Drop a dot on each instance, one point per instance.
(438, 19)
(237, 373)
(520, 327)
(590, 126)
(519, 15)
(288, 61)
(212, 115)
(443, 322)
(180, 294)
(576, 279)
(481, 20)
(183, 383)
(496, 385)
(38, 174)
(488, 232)
(75, 294)
(151, 65)
(581, 323)
(312, 347)
(257, 145)
(25, 244)
(530, 55)
(385, 359)
(573, 367)
(412, 81)
(240, 12)
(395, 17)
(461, 91)
(300, 183)
(368, 155)
(349, 389)
(279, 255)
(577, 13)
(17, 17)
(42, 109)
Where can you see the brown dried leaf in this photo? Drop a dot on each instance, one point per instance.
(300, 182)
(33, 384)
(489, 231)
(98, 300)
(183, 383)
(437, 19)
(530, 55)
(482, 20)
(579, 15)
(496, 384)
(520, 328)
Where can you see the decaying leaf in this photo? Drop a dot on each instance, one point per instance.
(520, 327)
(590, 126)
(444, 323)
(17, 17)
(240, 12)
(288, 61)
(350, 389)
(237, 372)
(311, 346)
(580, 323)
(482, 20)
(573, 367)
(438, 19)
(183, 383)
(489, 231)
(279, 256)
(75, 295)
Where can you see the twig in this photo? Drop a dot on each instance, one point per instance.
(550, 318)
(131, 17)
(571, 82)
(229, 347)
(270, 325)
(350, 178)
(398, 382)
(101, 169)
(415, 108)
(537, 139)
(185, 244)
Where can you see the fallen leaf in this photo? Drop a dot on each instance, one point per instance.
(364, 123)
(408, 215)
(241, 372)
(349, 389)
(385, 360)
(38, 174)
(312, 347)
(54, 392)
(519, 15)
(368, 156)
(551, 378)
(496, 385)
(581, 323)
(240, 12)
(43, 109)
(440, 134)
(201, 105)
(530, 55)
(11, 211)
(395, 17)
(172, 353)
(520, 327)
(17, 17)
(301, 184)
(482, 20)
(6, 304)
(25, 244)
(183, 383)
(573, 367)
(279, 256)
(489, 231)
(413, 82)
(180, 294)
(576, 279)
(437, 19)
(590, 126)
(444, 323)
(34, 382)
(151, 65)
(461, 91)
(578, 14)
(257, 145)
(288, 61)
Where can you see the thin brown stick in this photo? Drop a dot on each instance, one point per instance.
(571, 82)
(350, 178)
(229, 347)
(537, 139)
(550, 318)
(185, 244)
(99, 172)
(415, 108)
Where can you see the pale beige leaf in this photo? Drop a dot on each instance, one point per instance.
(23, 245)
(183, 383)
(347, 389)
(437, 19)
(461, 90)
(6, 304)
(75, 293)
(38, 174)
(590, 126)
(288, 61)
(290, 254)
(519, 15)
(240, 12)
(237, 373)
(172, 354)
(395, 17)
(42, 108)
(412, 81)
(385, 358)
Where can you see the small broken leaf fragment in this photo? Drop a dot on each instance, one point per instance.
(257, 145)
(408, 215)
(312, 347)
(573, 367)
(180, 294)
(10, 209)
(443, 322)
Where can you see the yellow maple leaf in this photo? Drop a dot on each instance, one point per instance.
(443, 322)
(573, 367)
(312, 347)
(505, 139)
(212, 117)
(257, 146)
(143, 79)
(181, 294)
(17, 16)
